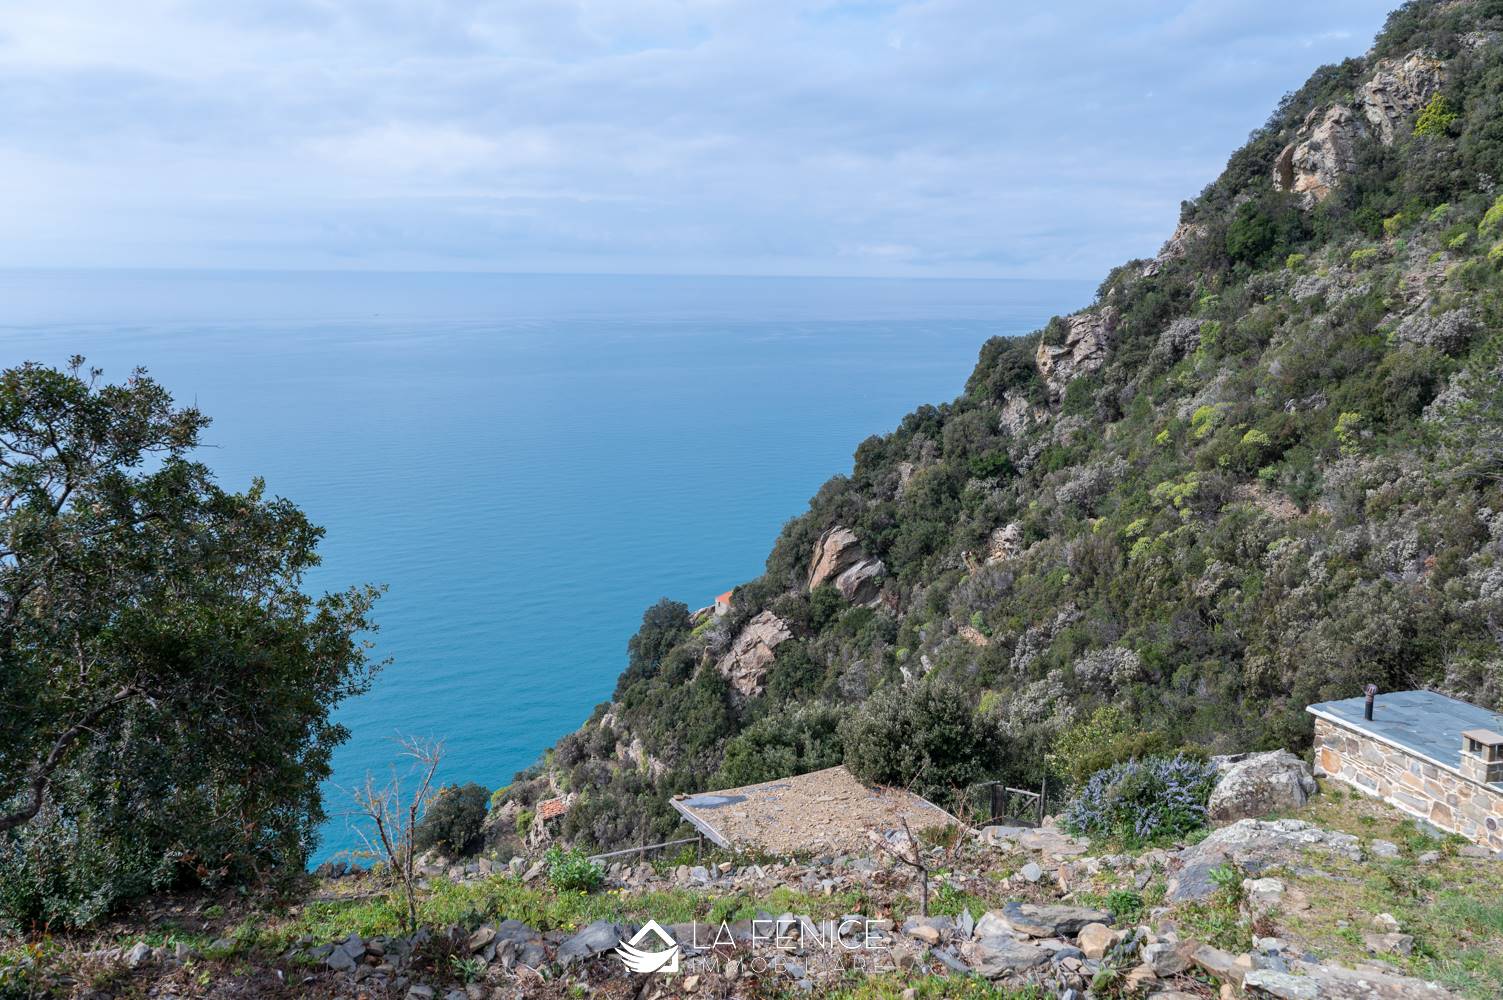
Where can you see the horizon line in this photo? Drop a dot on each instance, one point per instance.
(160, 269)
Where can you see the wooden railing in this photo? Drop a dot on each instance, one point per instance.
(1000, 801)
(641, 852)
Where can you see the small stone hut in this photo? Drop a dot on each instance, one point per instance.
(1431, 756)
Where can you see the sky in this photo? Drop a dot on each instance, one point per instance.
(933, 138)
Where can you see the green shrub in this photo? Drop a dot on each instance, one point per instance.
(992, 465)
(1348, 431)
(1125, 906)
(453, 819)
(52, 876)
(1203, 421)
(794, 740)
(1436, 118)
(1228, 882)
(1097, 743)
(1493, 218)
(922, 734)
(1143, 801)
(572, 870)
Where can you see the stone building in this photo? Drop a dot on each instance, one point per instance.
(1431, 756)
(546, 819)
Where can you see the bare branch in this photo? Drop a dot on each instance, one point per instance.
(42, 773)
(393, 819)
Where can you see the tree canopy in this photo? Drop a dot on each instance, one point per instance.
(165, 683)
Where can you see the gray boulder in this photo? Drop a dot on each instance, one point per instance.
(1047, 921)
(862, 583)
(597, 938)
(1261, 784)
(996, 957)
(1046, 840)
(340, 961)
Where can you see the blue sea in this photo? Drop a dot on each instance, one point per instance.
(526, 461)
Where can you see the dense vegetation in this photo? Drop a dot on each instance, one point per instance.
(165, 684)
(1280, 483)
(452, 819)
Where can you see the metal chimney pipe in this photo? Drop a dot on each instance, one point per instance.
(1367, 711)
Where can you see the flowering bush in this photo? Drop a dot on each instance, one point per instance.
(1143, 800)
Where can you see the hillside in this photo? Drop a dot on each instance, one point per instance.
(1260, 470)
(1263, 469)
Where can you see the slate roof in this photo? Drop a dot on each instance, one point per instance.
(1424, 723)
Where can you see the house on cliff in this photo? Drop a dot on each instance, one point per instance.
(1428, 755)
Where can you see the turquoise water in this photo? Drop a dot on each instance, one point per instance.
(527, 461)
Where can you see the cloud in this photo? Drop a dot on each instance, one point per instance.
(945, 137)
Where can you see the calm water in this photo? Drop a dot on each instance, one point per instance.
(527, 461)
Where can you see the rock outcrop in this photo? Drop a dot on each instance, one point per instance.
(1446, 332)
(1004, 542)
(1323, 151)
(839, 557)
(835, 552)
(1175, 247)
(1324, 148)
(1261, 784)
(1311, 981)
(1398, 91)
(1087, 337)
(1019, 414)
(1254, 846)
(862, 583)
(751, 655)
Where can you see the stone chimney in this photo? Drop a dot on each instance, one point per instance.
(1482, 755)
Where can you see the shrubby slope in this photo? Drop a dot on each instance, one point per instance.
(1262, 469)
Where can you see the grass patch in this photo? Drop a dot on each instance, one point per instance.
(1451, 904)
(891, 987)
(469, 904)
(948, 901)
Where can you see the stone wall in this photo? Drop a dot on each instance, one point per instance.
(1436, 794)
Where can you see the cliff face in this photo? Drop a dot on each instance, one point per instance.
(1260, 470)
